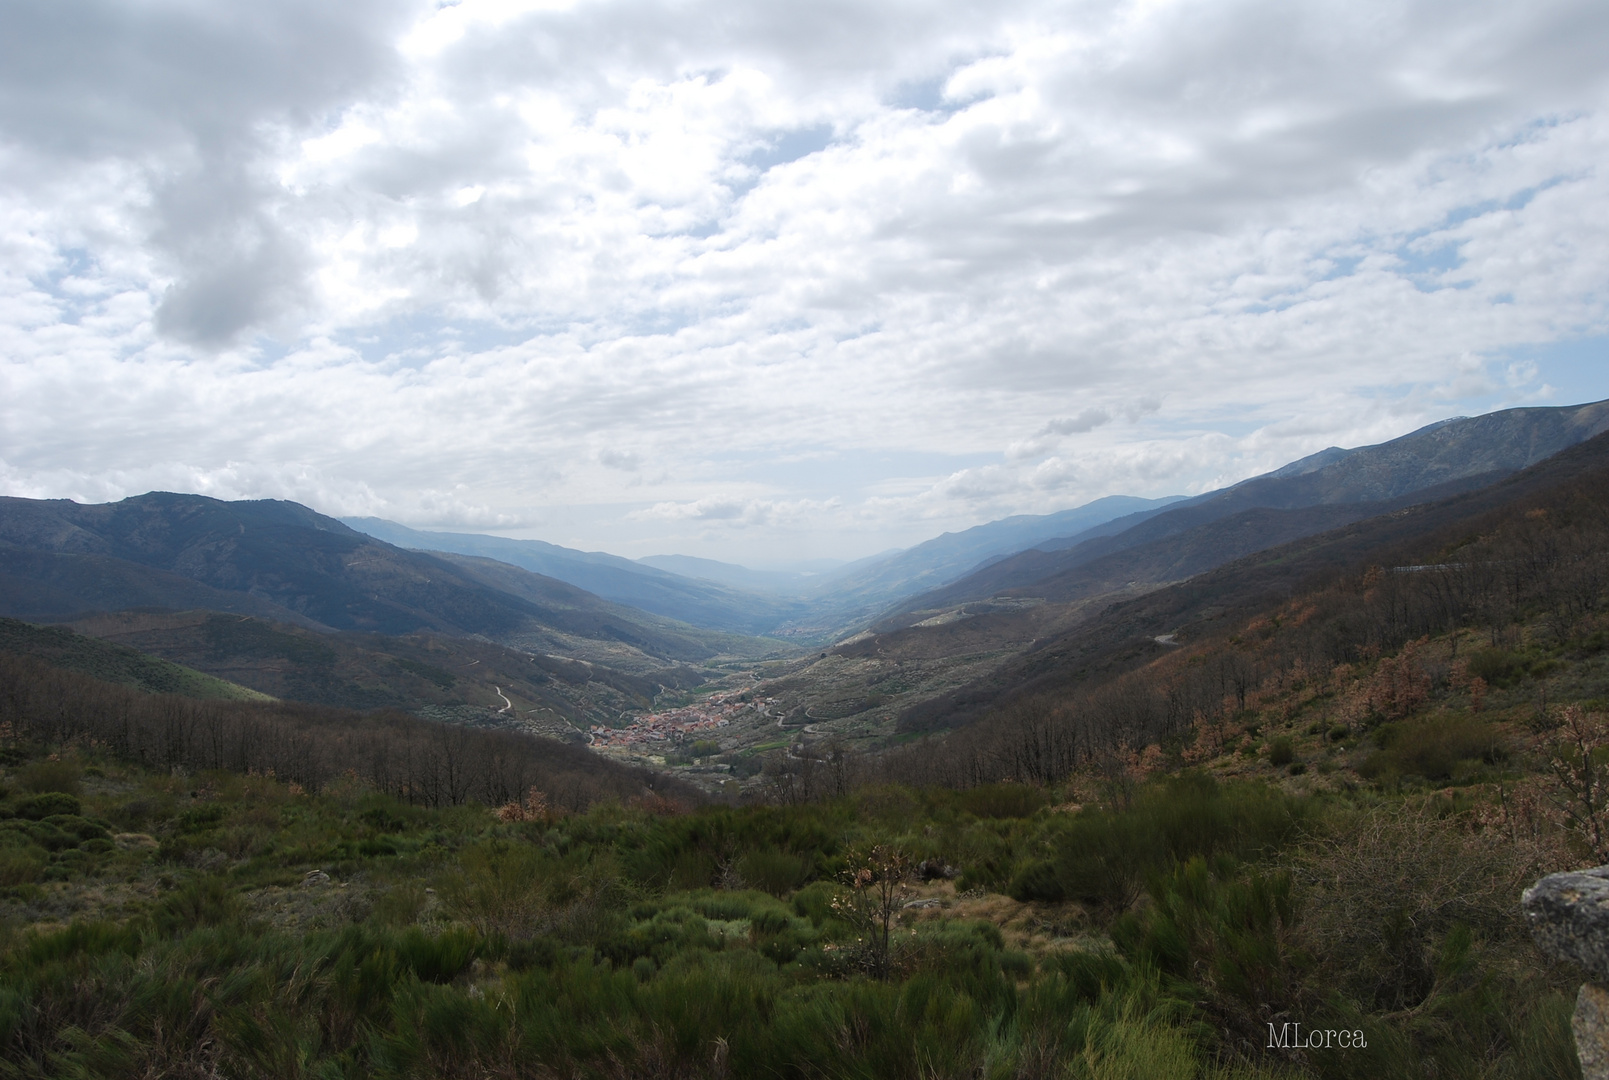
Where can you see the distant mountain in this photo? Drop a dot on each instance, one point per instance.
(706, 603)
(283, 561)
(950, 555)
(1317, 493)
(779, 582)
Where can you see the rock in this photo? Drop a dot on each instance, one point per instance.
(918, 905)
(1569, 918)
(933, 869)
(129, 841)
(315, 878)
(1590, 1024)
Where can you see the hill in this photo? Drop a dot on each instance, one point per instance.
(1436, 460)
(284, 562)
(114, 663)
(1569, 488)
(933, 669)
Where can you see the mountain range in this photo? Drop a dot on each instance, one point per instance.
(276, 597)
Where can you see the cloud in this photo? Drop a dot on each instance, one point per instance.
(410, 249)
(624, 460)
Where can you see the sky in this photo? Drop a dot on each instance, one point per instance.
(769, 282)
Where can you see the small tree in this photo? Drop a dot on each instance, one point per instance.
(877, 882)
(1579, 761)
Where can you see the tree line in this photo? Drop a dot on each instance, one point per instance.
(420, 761)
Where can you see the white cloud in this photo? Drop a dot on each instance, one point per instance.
(987, 258)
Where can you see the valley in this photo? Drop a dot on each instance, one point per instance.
(1196, 772)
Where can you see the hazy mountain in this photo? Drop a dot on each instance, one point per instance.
(730, 597)
(950, 555)
(1433, 461)
(703, 603)
(282, 560)
(780, 582)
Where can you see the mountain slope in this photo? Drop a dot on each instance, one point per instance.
(293, 565)
(949, 556)
(462, 679)
(699, 603)
(1466, 451)
(1125, 633)
(113, 663)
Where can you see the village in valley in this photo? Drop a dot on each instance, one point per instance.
(657, 733)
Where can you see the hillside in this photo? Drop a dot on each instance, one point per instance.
(114, 663)
(949, 669)
(1571, 484)
(287, 563)
(432, 675)
(814, 607)
(1425, 464)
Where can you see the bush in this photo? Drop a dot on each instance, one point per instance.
(775, 872)
(1499, 667)
(1102, 857)
(206, 901)
(1003, 800)
(1281, 751)
(38, 807)
(52, 775)
(1434, 749)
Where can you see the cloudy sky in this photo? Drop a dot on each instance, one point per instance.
(773, 281)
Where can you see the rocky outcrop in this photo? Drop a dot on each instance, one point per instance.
(1569, 918)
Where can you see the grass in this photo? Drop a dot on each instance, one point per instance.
(167, 925)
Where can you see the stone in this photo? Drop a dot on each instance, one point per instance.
(934, 870)
(1590, 1025)
(315, 878)
(1569, 919)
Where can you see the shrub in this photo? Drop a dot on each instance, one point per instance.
(54, 774)
(1281, 751)
(48, 804)
(1003, 800)
(21, 865)
(1434, 748)
(775, 872)
(1499, 667)
(205, 901)
(1102, 857)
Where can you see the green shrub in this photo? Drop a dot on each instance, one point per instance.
(814, 901)
(1281, 751)
(1102, 857)
(1435, 749)
(437, 958)
(204, 901)
(47, 804)
(51, 775)
(775, 872)
(1499, 667)
(21, 865)
(1003, 800)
